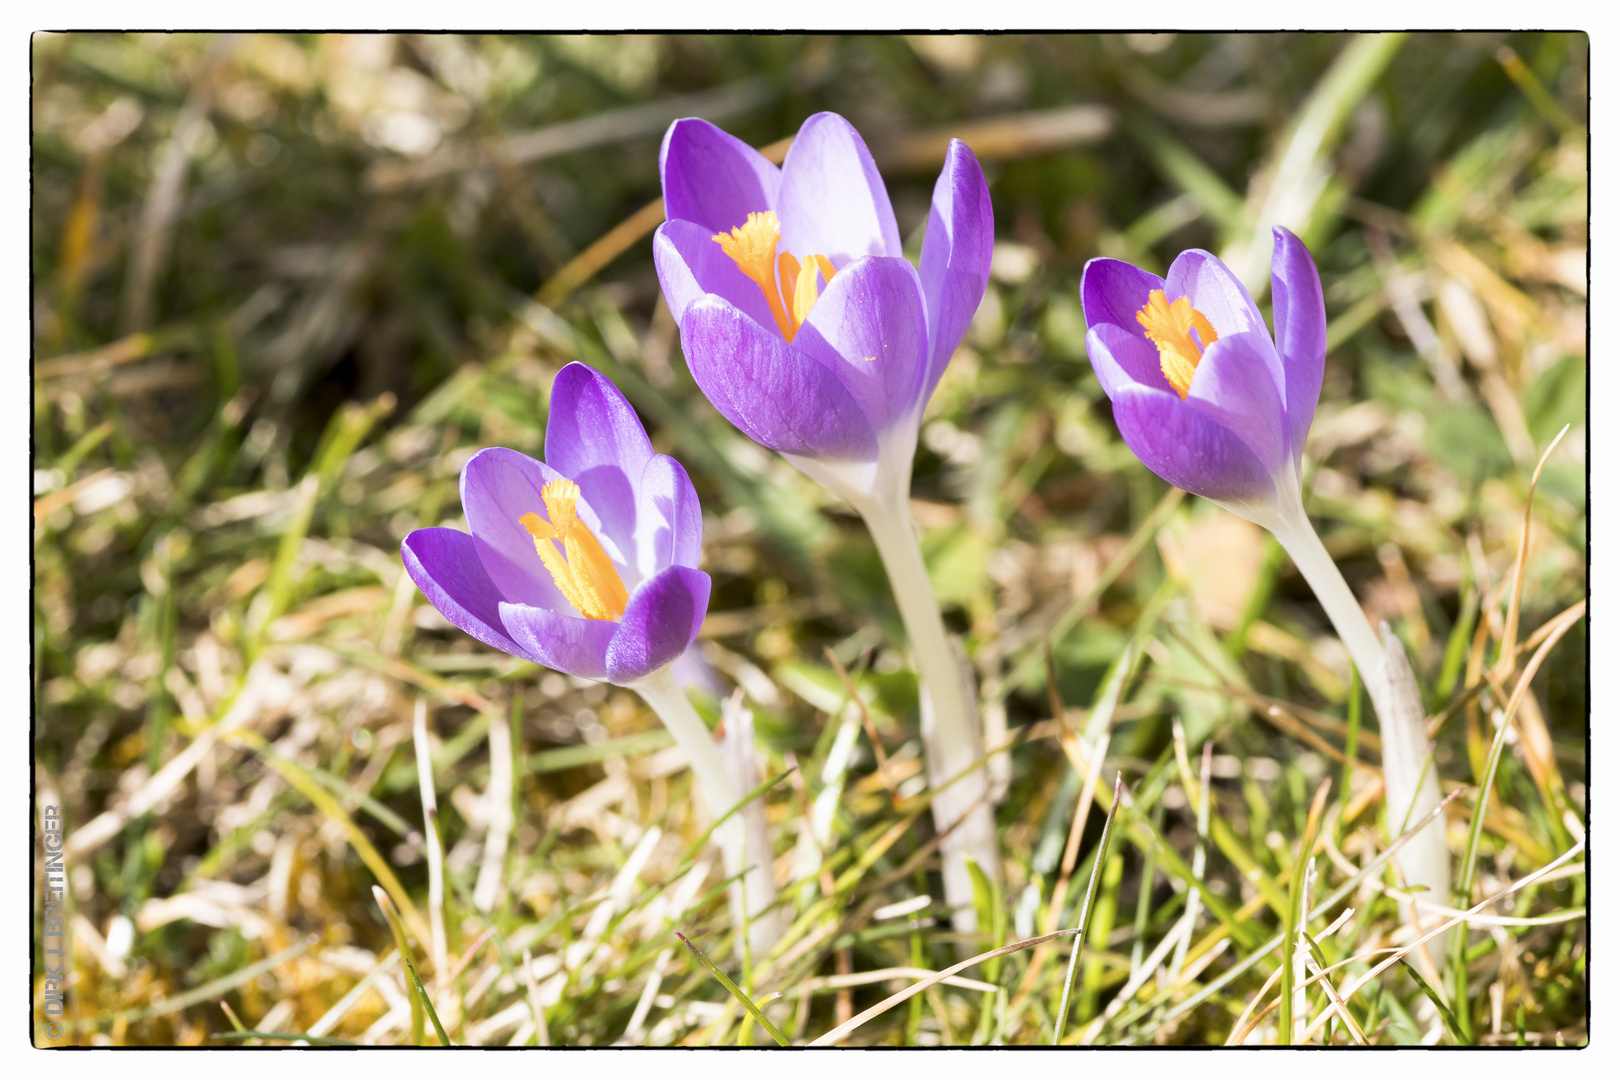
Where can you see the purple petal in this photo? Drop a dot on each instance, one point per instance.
(713, 178)
(499, 486)
(1112, 291)
(955, 255)
(1296, 307)
(833, 201)
(445, 566)
(571, 644)
(870, 327)
(1237, 386)
(1121, 358)
(669, 521)
(1187, 449)
(779, 397)
(692, 671)
(595, 438)
(690, 264)
(661, 620)
(1214, 290)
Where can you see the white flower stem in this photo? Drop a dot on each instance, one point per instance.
(950, 731)
(668, 699)
(1411, 785)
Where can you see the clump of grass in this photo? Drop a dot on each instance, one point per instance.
(286, 285)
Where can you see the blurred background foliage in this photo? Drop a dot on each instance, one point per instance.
(285, 284)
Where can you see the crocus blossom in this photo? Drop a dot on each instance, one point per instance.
(1214, 404)
(1202, 392)
(585, 562)
(806, 326)
(801, 319)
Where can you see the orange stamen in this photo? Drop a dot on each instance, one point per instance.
(752, 246)
(587, 577)
(1170, 327)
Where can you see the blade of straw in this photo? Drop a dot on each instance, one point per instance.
(1086, 908)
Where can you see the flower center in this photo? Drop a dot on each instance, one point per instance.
(586, 577)
(789, 286)
(1171, 327)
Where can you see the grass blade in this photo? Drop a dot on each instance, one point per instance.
(1085, 910)
(392, 915)
(1296, 895)
(427, 1003)
(736, 992)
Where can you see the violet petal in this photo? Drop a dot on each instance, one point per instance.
(1214, 290)
(1296, 307)
(832, 200)
(713, 178)
(595, 438)
(445, 566)
(779, 397)
(571, 644)
(956, 250)
(690, 264)
(1187, 449)
(1120, 358)
(870, 327)
(1112, 291)
(499, 486)
(663, 617)
(669, 521)
(1237, 385)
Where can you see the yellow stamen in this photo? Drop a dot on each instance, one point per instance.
(1170, 327)
(752, 246)
(587, 579)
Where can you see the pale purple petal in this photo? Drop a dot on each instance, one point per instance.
(1187, 449)
(1214, 290)
(870, 327)
(1112, 291)
(713, 178)
(571, 644)
(694, 672)
(499, 486)
(779, 397)
(669, 521)
(1120, 358)
(1237, 386)
(661, 620)
(595, 438)
(690, 264)
(1296, 307)
(955, 255)
(445, 566)
(833, 201)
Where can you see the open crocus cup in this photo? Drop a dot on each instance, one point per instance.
(1201, 391)
(801, 319)
(585, 562)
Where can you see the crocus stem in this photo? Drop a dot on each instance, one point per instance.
(950, 730)
(1411, 786)
(668, 699)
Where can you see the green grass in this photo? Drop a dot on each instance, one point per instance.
(242, 407)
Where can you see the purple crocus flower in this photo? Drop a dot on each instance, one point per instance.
(1215, 405)
(1201, 391)
(800, 318)
(585, 562)
(806, 326)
